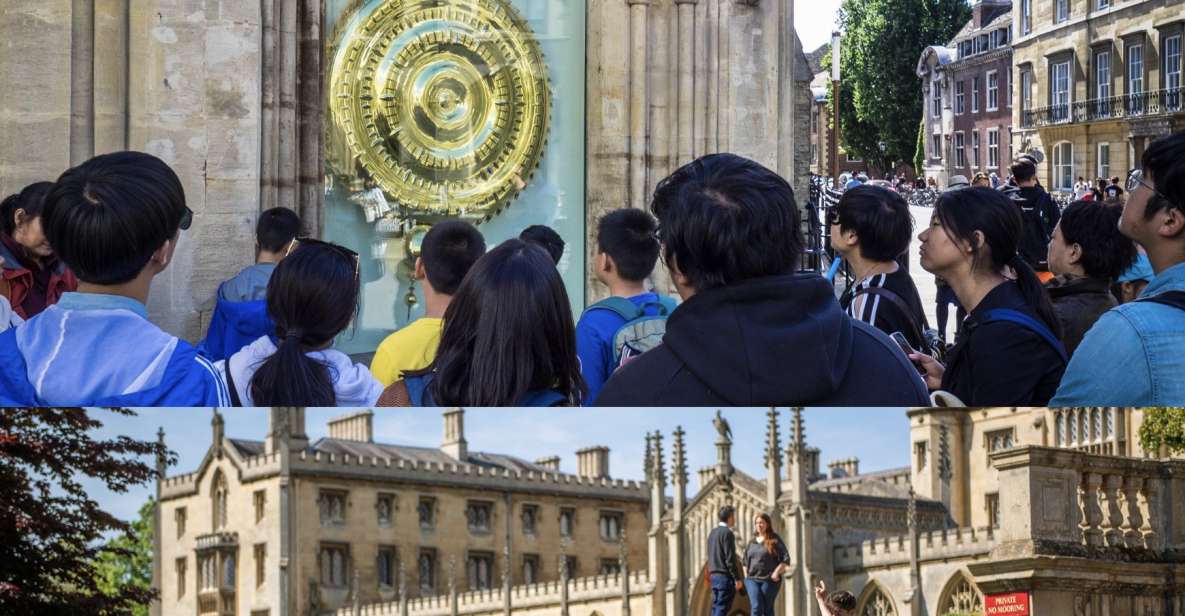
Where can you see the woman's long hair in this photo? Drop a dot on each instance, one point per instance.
(312, 297)
(967, 210)
(508, 331)
(771, 538)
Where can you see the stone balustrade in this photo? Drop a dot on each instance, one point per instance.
(1058, 501)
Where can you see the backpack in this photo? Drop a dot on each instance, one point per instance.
(420, 395)
(640, 332)
(1175, 299)
(920, 331)
(1029, 323)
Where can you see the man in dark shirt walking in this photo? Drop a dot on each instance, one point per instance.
(723, 570)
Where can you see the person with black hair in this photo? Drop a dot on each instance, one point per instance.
(312, 297)
(724, 571)
(838, 603)
(449, 250)
(871, 227)
(1087, 254)
(632, 319)
(1010, 352)
(547, 238)
(508, 339)
(1132, 356)
(114, 221)
(751, 331)
(240, 312)
(32, 277)
(1038, 211)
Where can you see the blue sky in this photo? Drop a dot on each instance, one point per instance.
(879, 437)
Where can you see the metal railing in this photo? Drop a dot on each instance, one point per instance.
(1155, 102)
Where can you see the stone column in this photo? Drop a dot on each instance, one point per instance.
(154, 609)
(658, 545)
(639, 28)
(678, 530)
(684, 122)
(82, 81)
(787, 54)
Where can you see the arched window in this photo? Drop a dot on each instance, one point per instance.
(218, 494)
(228, 571)
(876, 602)
(960, 597)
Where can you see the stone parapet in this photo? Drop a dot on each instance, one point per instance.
(580, 590)
(895, 551)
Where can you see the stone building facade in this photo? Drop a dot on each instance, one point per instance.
(1060, 505)
(285, 526)
(967, 120)
(231, 94)
(1095, 82)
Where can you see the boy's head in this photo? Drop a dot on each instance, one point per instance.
(841, 603)
(872, 220)
(724, 220)
(449, 249)
(276, 229)
(627, 246)
(727, 515)
(116, 215)
(1154, 214)
(1025, 172)
(546, 237)
(1087, 242)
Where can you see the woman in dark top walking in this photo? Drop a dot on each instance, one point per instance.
(1009, 352)
(765, 560)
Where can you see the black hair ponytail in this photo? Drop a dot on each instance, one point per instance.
(1035, 294)
(312, 297)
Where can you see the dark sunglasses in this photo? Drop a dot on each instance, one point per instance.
(342, 250)
(186, 219)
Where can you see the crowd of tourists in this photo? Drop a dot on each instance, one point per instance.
(1076, 307)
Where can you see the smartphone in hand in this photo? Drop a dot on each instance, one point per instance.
(903, 342)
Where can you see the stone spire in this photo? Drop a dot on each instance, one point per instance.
(154, 609)
(217, 433)
(773, 455)
(796, 456)
(679, 472)
(915, 573)
(658, 482)
(648, 462)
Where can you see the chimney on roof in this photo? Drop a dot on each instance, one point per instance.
(454, 435)
(353, 427)
(551, 463)
(593, 462)
(844, 468)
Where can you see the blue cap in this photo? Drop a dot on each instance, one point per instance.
(1140, 270)
(852, 184)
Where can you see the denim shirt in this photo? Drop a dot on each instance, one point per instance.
(1133, 354)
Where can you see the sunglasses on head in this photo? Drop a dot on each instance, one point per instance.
(832, 214)
(342, 250)
(186, 219)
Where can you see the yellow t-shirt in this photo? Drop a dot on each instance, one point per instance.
(411, 348)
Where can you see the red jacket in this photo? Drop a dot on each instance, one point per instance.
(15, 280)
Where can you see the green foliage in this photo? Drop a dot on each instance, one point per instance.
(919, 157)
(1163, 427)
(127, 561)
(878, 60)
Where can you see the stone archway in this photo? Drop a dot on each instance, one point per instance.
(876, 601)
(700, 603)
(960, 597)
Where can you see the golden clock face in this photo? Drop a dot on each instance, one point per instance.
(444, 104)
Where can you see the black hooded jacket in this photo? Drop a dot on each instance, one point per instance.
(1040, 216)
(780, 340)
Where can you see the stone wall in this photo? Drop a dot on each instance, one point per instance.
(176, 78)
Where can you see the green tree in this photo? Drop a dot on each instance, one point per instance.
(1163, 427)
(878, 62)
(919, 157)
(51, 530)
(127, 560)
